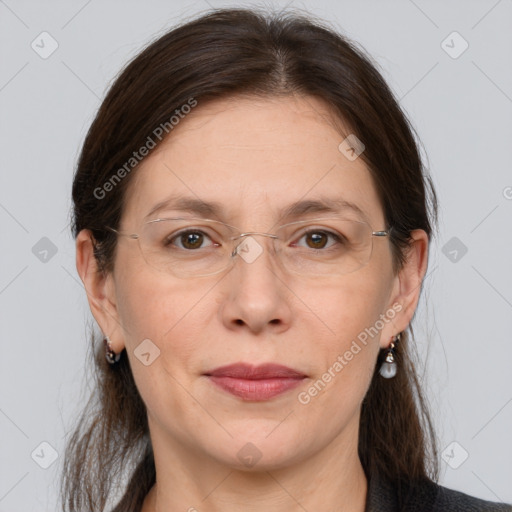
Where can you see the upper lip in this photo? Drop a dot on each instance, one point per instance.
(249, 371)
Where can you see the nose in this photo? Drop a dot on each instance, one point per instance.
(243, 245)
(256, 297)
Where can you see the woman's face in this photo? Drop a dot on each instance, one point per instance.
(254, 158)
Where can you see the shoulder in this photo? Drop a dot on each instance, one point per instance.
(425, 496)
(455, 501)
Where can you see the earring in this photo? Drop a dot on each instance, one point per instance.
(110, 355)
(388, 367)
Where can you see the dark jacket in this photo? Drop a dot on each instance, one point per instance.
(427, 496)
(383, 497)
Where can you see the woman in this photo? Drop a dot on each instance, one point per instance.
(252, 224)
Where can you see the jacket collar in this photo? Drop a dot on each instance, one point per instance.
(383, 496)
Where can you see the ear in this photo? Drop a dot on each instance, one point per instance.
(100, 289)
(407, 287)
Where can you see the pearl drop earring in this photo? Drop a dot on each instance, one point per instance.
(110, 355)
(388, 368)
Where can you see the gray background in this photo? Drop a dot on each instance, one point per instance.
(461, 108)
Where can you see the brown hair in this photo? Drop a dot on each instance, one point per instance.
(222, 53)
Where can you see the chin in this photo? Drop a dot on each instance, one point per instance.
(259, 451)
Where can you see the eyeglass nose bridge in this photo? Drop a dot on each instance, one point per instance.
(249, 233)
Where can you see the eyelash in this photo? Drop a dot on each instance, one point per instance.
(337, 238)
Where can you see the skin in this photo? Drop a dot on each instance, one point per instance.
(253, 156)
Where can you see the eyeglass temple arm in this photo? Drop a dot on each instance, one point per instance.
(131, 235)
(383, 233)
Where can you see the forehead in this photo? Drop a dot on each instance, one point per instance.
(253, 158)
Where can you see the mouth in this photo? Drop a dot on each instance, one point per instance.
(255, 383)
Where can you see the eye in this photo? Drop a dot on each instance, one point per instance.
(318, 238)
(189, 239)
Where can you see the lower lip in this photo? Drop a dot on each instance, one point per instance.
(256, 389)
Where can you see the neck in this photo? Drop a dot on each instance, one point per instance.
(332, 479)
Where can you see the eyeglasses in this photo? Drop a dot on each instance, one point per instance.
(189, 247)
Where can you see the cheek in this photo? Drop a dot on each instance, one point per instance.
(345, 307)
(345, 358)
(173, 315)
(152, 304)
(346, 338)
(353, 344)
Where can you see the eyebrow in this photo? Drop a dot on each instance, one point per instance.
(299, 208)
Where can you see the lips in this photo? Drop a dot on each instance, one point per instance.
(255, 383)
(248, 371)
